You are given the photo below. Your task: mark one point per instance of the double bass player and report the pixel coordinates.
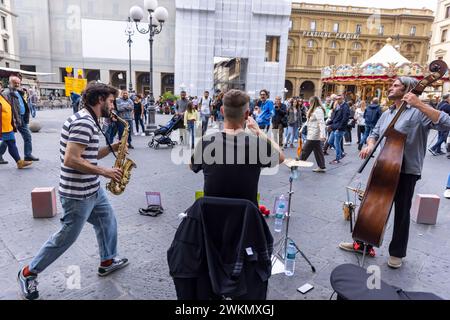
(415, 122)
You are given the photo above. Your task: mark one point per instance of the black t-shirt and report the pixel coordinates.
(232, 164)
(138, 108)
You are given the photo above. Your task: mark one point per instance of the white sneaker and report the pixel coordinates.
(143, 135)
(320, 170)
(347, 143)
(395, 262)
(447, 194)
(136, 134)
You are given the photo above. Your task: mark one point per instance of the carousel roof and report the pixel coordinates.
(387, 55)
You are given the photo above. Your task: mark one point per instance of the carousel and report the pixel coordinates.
(372, 78)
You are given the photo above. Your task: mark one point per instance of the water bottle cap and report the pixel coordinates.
(281, 206)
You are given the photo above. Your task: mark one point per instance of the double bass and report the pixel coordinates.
(378, 199)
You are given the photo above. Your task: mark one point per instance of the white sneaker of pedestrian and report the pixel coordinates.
(395, 262)
(447, 194)
(143, 135)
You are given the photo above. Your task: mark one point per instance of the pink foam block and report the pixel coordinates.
(44, 202)
(425, 208)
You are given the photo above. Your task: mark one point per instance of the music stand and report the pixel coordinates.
(282, 244)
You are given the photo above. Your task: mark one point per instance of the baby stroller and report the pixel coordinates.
(161, 137)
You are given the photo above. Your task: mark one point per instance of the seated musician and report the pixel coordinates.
(415, 122)
(232, 160)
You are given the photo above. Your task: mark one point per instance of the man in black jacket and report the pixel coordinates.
(371, 116)
(16, 98)
(442, 135)
(279, 121)
(339, 126)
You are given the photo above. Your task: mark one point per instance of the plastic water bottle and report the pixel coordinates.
(289, 263)
(279, 216)
(282, 200)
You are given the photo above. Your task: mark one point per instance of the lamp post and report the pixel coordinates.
(129, 31)
(156, 17)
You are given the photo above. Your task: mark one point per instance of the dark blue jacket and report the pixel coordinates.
(372, 114)
(445, 106)
(341, 117)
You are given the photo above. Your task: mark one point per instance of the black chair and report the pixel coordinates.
(222, 250)
(350, 283)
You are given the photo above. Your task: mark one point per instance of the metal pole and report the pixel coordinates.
(151, 125)
(130, 85)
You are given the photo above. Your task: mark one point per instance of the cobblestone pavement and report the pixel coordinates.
(317, 226)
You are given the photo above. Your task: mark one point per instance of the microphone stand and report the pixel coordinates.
(283, 243)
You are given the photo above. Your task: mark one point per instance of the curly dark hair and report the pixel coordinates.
(96, 92)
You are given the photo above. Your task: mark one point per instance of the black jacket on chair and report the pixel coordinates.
(222, 249)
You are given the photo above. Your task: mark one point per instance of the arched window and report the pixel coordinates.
(310, 43)
(333, 44)
(357, 46)
(409, 47)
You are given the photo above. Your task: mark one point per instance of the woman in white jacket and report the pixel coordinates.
(316, 134)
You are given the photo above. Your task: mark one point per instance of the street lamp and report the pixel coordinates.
(129, 31)
(156, 17)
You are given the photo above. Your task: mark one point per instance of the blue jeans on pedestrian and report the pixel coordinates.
(366, 135)
(121, 129)
(27, 142)
(291, 133)
(111, 132)
(338, 136)
(205, 121)
(191, 129)
(97, 211)
(448, 182)
(442, 137)
(12, 147)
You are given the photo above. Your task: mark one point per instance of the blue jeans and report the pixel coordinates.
(338, 136)
(366, 135)
(291, 134)
(27, 142)
(111, 132)
(97, 211)
(121, 129)
(12, 147)
(205, 121)
(448, 182)
(191, 129)
(442, 137)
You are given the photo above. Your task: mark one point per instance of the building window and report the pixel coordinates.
(7, 64)
(272, 49)
(413, 31)
(309, 60)
(409, 47)
(356, 46)
(313, 25)
(332, 60)
(29, 68)
(447, 12)
(381, 30)
(336, 27)
(358, 28)
(6, 45)
(333, 44)
(4, 25)
(354, 60)
(310, 44)
(444, 35)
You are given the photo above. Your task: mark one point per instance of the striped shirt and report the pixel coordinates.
(80, 129)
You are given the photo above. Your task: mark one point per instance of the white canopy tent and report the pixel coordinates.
(388, 54)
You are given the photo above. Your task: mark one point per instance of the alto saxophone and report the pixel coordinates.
(122, 162)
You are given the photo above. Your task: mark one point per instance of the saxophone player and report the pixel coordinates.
(82, 198)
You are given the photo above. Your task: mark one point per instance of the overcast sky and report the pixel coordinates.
(430, 4)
